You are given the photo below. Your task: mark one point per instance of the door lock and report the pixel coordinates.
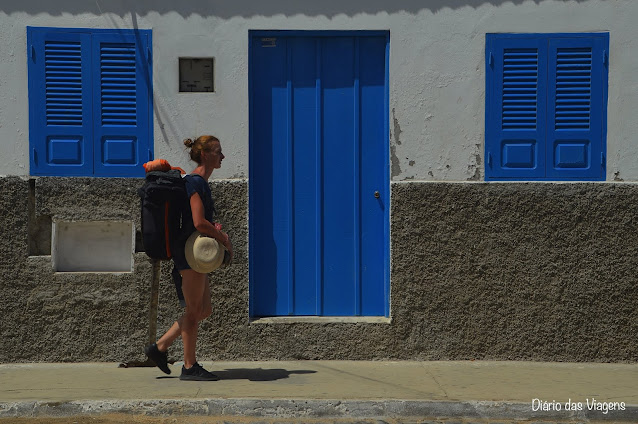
(376, 195)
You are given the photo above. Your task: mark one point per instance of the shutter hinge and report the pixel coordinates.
(35, 156)
(489, 159)
(32, 52)
(602, 159)
(148, 52)
(605, 58)
(491, 60)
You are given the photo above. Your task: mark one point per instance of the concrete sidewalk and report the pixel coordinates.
(329, 389)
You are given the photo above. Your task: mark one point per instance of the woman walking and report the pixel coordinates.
(206, 151)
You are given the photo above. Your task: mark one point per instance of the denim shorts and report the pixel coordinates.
(179, 258)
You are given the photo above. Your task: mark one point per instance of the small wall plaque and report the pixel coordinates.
(196, 75)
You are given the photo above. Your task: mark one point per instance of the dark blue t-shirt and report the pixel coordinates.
(197, 184)
(194, 184)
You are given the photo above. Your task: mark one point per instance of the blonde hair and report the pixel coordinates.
(201, 143)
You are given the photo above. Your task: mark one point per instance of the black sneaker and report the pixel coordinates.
(197, 373)
(159, 358)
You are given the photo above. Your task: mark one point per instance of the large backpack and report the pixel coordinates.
(164, 200)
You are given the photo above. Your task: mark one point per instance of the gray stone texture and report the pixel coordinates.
(515, 271)
(51, 317)
(505, 271)
(315, 410)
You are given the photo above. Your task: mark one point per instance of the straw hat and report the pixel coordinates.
(204, 254)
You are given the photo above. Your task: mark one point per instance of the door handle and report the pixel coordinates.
(376, 194)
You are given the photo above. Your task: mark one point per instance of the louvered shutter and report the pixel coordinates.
(575, 108)
(546, 106)
(121, 111)
(515, 108)
(59, 103)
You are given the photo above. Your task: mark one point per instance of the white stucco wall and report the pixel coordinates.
(437, 85)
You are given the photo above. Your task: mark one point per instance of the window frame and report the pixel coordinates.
(494, 172)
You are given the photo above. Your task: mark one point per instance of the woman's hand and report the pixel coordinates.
(209, 229)
(229, 247)
(225, 239)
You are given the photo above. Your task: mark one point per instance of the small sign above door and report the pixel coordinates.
(269, 42)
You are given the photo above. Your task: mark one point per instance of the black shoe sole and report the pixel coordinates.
(157, 359)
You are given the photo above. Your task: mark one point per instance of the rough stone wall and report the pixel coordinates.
(14, 250)
(516, 271)
(479, 271)
(512, 271)
(52, 317)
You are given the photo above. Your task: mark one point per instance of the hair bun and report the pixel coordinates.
(188, 142)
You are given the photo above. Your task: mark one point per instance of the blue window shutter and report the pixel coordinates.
(122, 103)
(577, 75)
(569, 122)
(60, 127)
(515, 108)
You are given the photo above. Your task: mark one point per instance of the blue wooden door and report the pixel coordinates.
(319, 183)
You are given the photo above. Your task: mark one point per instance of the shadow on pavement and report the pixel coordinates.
(258, 374)
(251, 374)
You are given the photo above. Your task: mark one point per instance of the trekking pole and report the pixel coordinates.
(152, 319)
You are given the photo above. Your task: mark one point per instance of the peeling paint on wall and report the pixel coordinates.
(474, 169)
(616, 170)
(395, 170)
(397, 128)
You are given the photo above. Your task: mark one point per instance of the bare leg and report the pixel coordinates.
(193, 285)
(170, 336)
(198, 306)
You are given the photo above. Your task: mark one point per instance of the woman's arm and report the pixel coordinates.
(204, 226)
